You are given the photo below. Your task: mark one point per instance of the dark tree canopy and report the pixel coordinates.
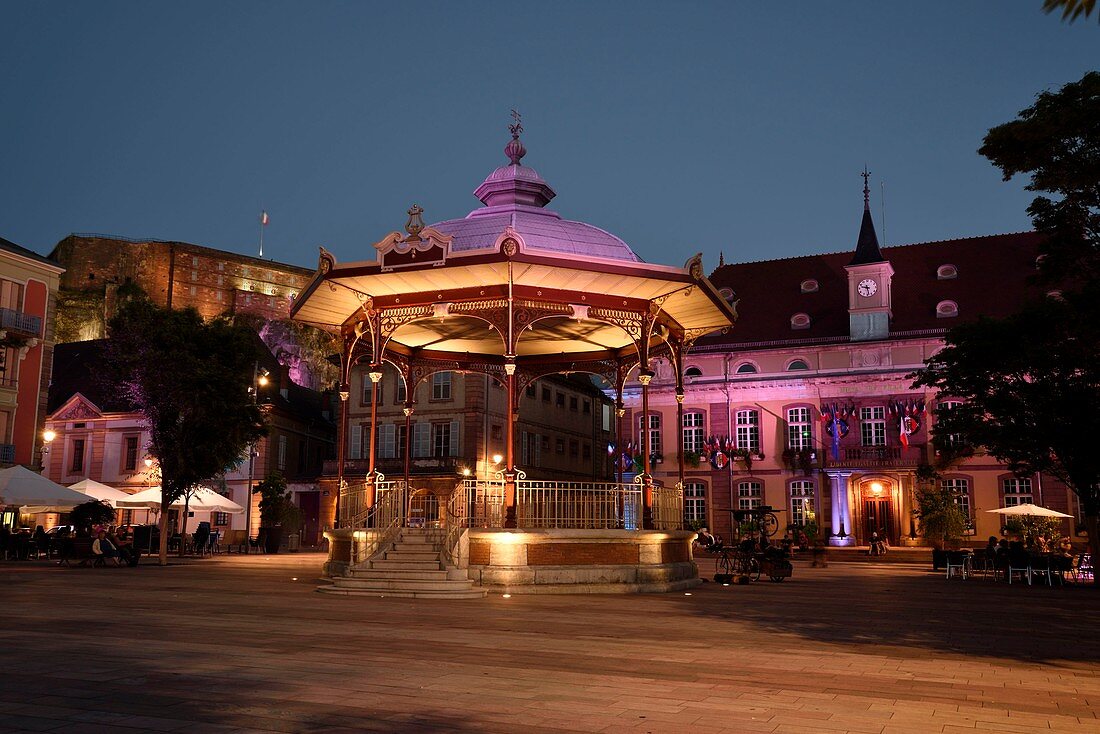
(1056, 143)
(191, 380)
(87, 514)
(1071, 9)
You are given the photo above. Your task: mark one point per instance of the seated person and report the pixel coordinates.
(708, 541)
(992, 546)
(104, 548)
(126, 552)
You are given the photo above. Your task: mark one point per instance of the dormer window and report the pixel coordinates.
(727, 294)
(1055, 295)
(800, 321)
(746, 368)
(947, 309)
(1039, 260)
(947, 272)
(809, 286)
(797, 365)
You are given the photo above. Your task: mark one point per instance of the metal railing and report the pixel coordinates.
(12, 320)
(382, 522)
(483, 503)
(7, 453)
(668, 507)
(578, 505)
(456, 522)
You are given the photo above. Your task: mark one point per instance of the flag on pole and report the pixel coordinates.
(264, 219)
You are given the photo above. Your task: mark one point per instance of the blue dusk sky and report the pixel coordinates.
(679, 126)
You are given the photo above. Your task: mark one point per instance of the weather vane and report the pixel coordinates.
(516, 127)
(866, 189)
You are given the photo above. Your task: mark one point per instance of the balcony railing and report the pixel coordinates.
(396, 467)
(20, 323)
(877, 457)
(7, 453)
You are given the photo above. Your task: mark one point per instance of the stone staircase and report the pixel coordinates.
(412, 567)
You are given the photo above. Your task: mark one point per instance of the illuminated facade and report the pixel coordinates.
(28, 295)
(841, 333)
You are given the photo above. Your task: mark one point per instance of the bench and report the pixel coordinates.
(80, 549)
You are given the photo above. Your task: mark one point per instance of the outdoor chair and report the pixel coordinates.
(958, 562)
(1019, 562)
(1040, 566)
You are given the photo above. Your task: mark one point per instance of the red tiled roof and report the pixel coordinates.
(994, 278)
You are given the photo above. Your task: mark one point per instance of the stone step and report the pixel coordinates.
(418, 539)
(417, 547)
(404, 594)
(381, 573)
(404, 555)
(394, 565)
(402, 584)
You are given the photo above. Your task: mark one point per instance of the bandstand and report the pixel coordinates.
(515, 292)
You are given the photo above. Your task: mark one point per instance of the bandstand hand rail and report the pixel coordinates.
(375, 528)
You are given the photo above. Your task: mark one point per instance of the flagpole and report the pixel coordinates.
(262, 234)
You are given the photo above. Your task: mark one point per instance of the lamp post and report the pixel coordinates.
(48, 436)
(260, 378)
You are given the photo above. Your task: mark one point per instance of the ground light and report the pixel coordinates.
(507, 596)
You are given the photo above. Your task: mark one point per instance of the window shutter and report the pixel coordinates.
(387, 441)
(538, 450)
(421, 439)
(355, 442)
(454, 438)
(524, 449)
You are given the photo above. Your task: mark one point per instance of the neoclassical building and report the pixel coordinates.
(825, 346)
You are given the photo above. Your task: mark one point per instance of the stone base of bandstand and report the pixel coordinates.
(553, 561)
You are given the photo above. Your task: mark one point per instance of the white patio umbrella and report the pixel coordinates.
(99, 491)
(199, 499)
(1029, 509)
(35, 493)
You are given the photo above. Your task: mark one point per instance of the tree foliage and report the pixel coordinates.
(942, 520)
(1056, 144)
(277, 506)
(190, 380)
(88, 514)
(1071, 9)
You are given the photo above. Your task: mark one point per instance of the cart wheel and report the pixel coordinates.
(754, 569)
(777, 579)
(769, 523)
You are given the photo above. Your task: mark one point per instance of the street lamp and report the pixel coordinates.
(48, 436)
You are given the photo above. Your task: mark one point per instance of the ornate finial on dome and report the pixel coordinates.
(515, 150)
(415, 223)
(866, 189)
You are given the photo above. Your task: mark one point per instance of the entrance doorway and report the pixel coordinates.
(878, 511)
(423, 509)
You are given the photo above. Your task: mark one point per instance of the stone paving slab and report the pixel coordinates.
(245, 644)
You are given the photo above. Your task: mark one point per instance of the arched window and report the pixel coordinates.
(800, 321)
(947, 309)
(797, 364)
(695, 503)
(746, 368)
(809, 286)
(947, 272)
(693, 372)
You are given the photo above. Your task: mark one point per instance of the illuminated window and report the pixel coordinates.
(1017, 491)
(693, 431)
(750, 495)
(960, 492)
(695, 502)
(802, 502)
(872, 426)
(798, 429)
(748, 430)
(654, 433)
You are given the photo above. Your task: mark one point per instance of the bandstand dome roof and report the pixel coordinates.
(573, 283)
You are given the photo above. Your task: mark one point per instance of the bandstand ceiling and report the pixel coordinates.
(337, 299)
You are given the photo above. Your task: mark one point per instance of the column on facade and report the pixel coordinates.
(840, 513)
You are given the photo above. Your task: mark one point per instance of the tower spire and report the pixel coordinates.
(867, 250)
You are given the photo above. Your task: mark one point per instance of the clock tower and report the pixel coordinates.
(869, 281)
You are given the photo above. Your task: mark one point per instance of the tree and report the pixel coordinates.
(190, 379)
(1056, 143)
(942, 520)
(1071, 9)
(1030, 391)
(86, 515)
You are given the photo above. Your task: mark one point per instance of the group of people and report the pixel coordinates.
(997, 548)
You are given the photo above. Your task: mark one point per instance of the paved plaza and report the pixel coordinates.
(246, 644)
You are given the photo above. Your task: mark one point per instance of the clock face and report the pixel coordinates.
(867, 287)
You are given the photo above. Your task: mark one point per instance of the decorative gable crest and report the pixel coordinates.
(78, 408)
(421, 246)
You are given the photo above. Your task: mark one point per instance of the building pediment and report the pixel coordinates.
(77, 408)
